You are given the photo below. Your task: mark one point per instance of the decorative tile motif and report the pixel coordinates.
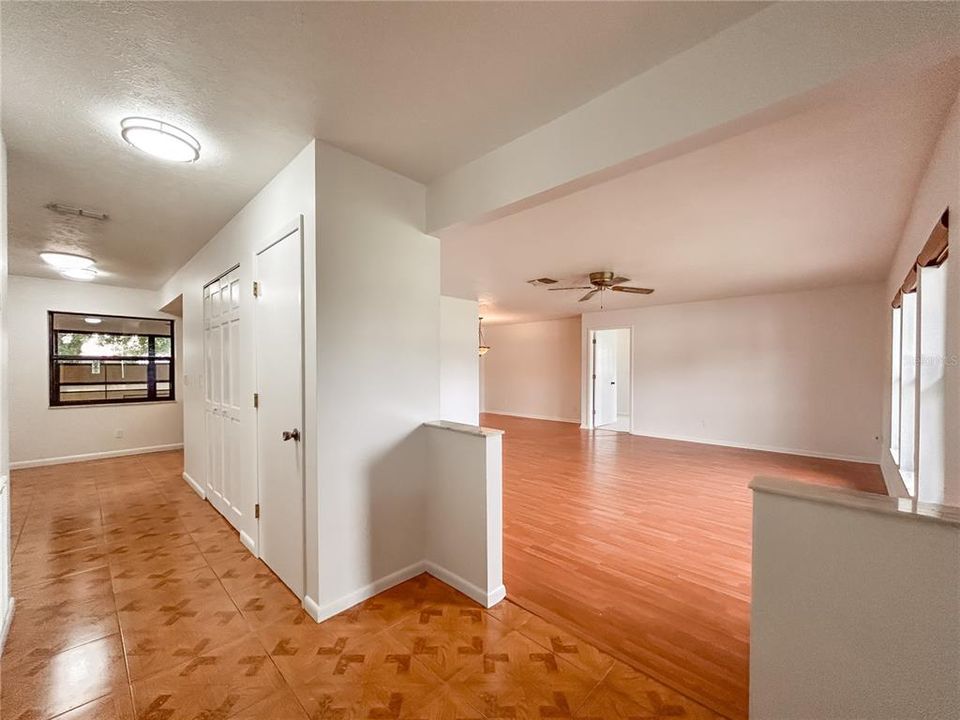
(217, 683)
(137, 601)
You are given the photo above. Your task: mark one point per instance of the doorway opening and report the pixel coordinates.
(611, 397)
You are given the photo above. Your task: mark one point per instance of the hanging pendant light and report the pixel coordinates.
(482, 349)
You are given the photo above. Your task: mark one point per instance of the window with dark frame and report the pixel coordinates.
(97, 359)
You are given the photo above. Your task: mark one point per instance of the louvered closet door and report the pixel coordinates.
(221, 303)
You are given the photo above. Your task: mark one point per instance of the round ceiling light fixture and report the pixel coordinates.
(92, 321)
(160, 139)
(79, 273)
(66, 261)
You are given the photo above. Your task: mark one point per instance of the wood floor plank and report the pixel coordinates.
(642, 546)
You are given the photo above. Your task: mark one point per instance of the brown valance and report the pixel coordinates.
(935, 250)
(933, 254)
(910, 281)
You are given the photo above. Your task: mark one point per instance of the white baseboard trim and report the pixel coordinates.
(7, 622)
(496, 596)
(197, 487)
(366, 592)
(323, 612)
(764, 448)
(552, 418)
(311, 608)
(86, 457)
(249, 543)
(487, 599)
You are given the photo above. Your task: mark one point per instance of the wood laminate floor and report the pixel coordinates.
(135, 599)
(642, 546)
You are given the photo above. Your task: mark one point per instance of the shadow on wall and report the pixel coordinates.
(397, 511)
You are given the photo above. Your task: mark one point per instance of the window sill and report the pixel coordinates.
(109, 404)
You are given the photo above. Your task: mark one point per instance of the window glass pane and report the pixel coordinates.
(80, 394)
(119, 371)
(79, 372)
(100, 344)
(908, 388)
(111, 325)
(895, 387)
(164, 346)
(931, 437)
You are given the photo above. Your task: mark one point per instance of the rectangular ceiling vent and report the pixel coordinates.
(78, 212)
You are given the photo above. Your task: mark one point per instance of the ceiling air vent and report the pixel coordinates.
(78, 212)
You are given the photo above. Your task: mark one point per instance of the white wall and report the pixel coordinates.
(459, 362)
(464, 503)
(6, 601)
(378, 300)
(795, 372)
(855, 611)
(939, 189)
(286, 197)
(76, 433)
(372, 364)
(533, 369)
(623, 371)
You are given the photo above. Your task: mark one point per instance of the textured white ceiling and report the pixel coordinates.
(818, 198)
(416, 87)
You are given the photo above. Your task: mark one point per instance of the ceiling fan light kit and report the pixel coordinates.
(599, 282)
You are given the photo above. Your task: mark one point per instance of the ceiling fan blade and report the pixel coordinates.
(584, 287)
(619, 280)
(588, 295)
(635, 290)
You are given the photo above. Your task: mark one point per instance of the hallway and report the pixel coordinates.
(136, 600)
(643, 545)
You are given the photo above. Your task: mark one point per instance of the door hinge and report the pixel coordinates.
(594, 341)
(594, 376)
(256, 511)
(256, 289)
(256, 400)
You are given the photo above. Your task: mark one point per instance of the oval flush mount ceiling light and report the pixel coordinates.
(79, 273)
(66, 261)
(160, 139)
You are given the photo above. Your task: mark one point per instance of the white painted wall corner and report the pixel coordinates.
(197, 487)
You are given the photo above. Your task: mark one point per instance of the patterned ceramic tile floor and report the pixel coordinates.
(135, 599)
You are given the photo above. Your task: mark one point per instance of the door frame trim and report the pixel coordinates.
(590, 381)
(294, 226)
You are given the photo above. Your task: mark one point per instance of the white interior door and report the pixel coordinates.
(221, 338)
(605, 377)
(279, 322)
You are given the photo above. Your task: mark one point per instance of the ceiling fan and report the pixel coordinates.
(599, 282)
